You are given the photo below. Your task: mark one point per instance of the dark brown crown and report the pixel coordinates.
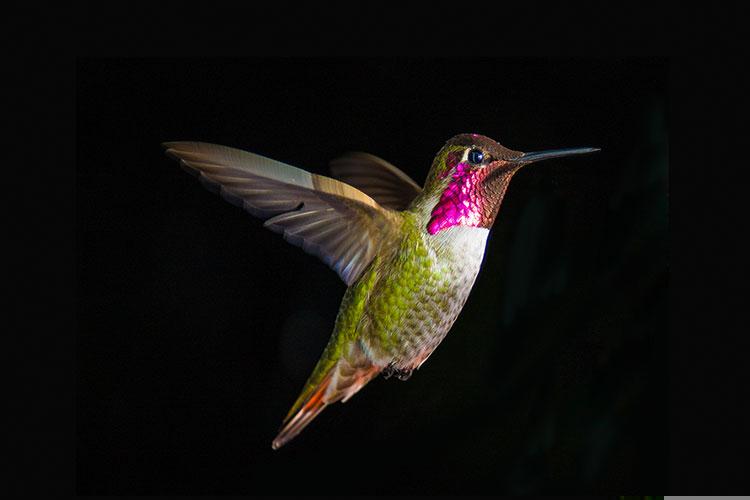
(495, 149)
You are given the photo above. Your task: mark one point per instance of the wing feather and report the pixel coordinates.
(385, 183)
(337, 222)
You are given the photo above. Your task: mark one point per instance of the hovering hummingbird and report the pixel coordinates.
(408, 255)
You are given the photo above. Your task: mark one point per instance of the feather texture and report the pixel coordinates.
(351, 372)
(330, 219)
(385, 183)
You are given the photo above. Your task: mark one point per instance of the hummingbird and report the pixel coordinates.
(409, 255)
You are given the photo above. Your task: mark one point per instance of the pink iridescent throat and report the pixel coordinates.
(461, 202)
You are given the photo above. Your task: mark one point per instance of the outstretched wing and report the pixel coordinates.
(330, 219)
(388, 185)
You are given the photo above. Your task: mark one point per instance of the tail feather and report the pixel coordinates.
(305, 415)
(341, 382)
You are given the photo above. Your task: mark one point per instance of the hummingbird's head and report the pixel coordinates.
(471, 172)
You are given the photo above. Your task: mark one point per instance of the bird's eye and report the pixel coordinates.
(475, 156)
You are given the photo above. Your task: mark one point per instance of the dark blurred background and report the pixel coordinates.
(197, 327)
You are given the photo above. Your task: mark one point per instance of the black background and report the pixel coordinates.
(197, 327)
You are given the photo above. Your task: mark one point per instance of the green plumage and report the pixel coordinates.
(403, 305)
(409, 255)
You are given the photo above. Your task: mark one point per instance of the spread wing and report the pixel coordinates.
(327, 218)
(388, 185)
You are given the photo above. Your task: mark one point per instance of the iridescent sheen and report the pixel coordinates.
(409, 256)
(460, 203)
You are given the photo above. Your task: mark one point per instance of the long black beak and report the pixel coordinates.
(553, 153)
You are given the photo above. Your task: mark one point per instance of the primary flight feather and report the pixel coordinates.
(408, 255)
